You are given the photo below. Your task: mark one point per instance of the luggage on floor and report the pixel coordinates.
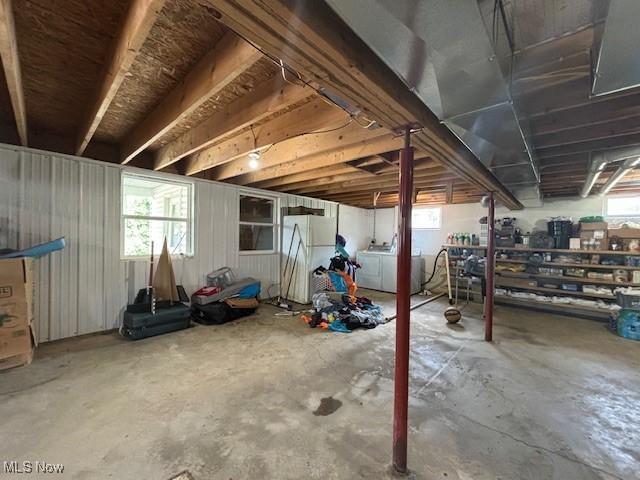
(217, 313)
(146, 324)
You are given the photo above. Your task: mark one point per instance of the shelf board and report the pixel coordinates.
(567, 278)
(559, 291)
(572, 265)
(551, 250)
(548, 306)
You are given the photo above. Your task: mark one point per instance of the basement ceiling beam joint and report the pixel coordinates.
(134, 29)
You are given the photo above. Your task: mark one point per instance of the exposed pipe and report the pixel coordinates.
(403, 309)
(628, 165)
(489, 270)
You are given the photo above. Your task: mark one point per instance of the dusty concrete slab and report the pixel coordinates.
(266, 397)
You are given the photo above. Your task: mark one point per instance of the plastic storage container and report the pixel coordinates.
(223, 278)
(628, 300)
(560, 230)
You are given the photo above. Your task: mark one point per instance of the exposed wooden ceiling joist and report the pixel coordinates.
(225, 62)
(378, 141)
(273, 137)
(266, 100)
(137, 24)
(12, 70)
(312, 39)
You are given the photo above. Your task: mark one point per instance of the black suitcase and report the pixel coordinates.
(146, 324)
(217, 313)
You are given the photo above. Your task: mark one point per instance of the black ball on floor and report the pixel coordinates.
(452, 315)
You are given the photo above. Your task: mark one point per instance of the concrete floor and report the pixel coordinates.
(551, 398)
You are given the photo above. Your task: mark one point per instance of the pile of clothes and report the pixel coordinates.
(343, 313)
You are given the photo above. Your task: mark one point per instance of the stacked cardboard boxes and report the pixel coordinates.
(594, 232)
(17, 339)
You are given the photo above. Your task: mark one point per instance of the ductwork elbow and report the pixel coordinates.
(598, 162)
(628, 165)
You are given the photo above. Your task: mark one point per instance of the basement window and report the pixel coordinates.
(620, 208)
(154, 209)
(426, 218)
(257, 225)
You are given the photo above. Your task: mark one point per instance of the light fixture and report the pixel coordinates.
(254, 160)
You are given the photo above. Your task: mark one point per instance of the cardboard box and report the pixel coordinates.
(625, 232)
(505, 281)
(593, 226)
(17, 338)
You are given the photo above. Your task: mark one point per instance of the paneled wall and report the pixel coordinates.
(85, 287)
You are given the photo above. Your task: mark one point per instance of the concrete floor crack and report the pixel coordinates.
(539, 447)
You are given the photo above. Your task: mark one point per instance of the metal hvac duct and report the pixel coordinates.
(617, 67)
(599, 160)
(457, 60)
(628, 165)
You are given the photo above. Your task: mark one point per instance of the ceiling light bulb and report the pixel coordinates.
(254, 160)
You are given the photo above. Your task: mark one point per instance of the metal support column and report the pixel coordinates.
(403, 305)
(490, 270)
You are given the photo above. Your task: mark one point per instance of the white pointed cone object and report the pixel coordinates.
(164, 280)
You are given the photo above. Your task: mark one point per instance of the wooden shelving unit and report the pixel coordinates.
(504, 279)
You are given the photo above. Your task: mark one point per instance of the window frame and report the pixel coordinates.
(189, 221)
(274, 225)
(427, 207)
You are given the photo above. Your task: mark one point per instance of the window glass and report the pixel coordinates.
(257, 226)
(623, 207)
(155, 209)
(425, 217)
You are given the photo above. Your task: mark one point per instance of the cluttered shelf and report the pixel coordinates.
(580, 269)
(551, 250)
(571, 265)
(567, 278)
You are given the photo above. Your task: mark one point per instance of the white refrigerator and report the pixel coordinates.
(308, 241)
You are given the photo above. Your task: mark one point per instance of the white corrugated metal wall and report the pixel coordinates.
(84, 288)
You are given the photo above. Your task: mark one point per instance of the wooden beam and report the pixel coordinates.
(269, 98)
(279, 166)
(449, 192)
(599, 131)
(626, 140)
(312, 39)
(300, 178)
(134, 30)
(221, 66)
(11, 65)
(316, 115)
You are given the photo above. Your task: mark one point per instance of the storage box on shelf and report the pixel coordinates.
(594, 234)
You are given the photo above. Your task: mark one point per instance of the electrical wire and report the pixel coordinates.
(262, 152)
(283, 66)
(435, 266)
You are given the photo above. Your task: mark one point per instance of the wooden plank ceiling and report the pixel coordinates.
(171, 85)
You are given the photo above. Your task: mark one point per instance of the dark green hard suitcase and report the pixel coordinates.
(146, 324)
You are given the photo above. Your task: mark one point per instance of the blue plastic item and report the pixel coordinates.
(338, 326)
(629, 324)
(250, 291)
(38, 250)
(337, 281)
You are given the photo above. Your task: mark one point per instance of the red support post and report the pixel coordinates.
(489, 270)
(403, 305)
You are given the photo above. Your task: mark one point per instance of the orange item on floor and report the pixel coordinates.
(351, 285)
